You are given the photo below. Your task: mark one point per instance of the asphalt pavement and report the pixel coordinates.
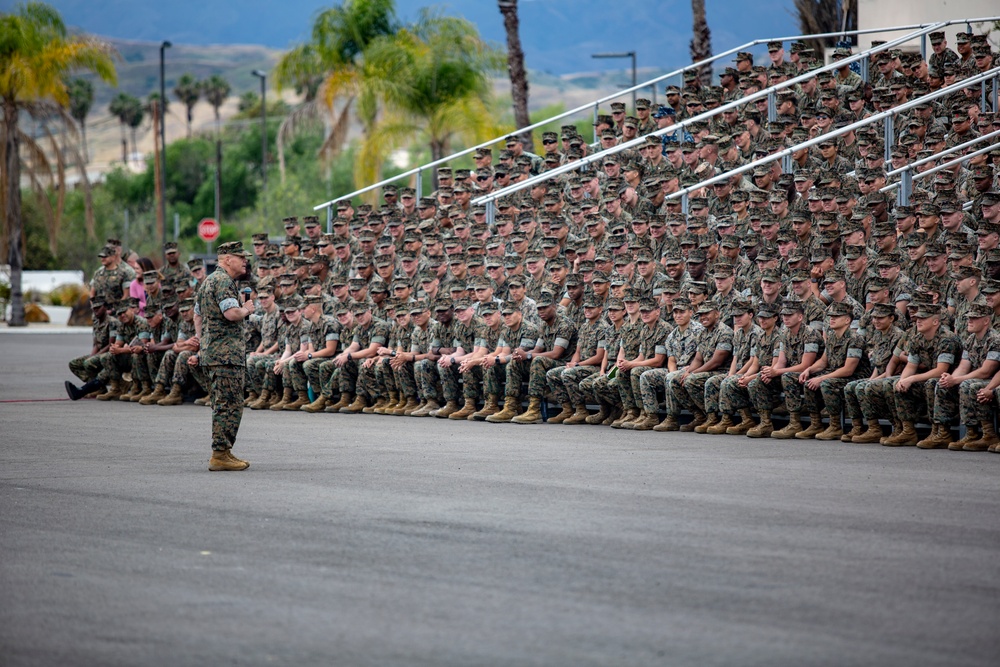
(369, 540)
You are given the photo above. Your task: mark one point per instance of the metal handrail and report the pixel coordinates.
(874, 118)
(762, 94)
(418, 170)
(905, 184)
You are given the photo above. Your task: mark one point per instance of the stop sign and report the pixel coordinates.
(208, 230)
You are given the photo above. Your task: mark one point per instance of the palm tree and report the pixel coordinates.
(121, 108)
(333, 55)
(36, 54)
(701, 41)
(515, 68)
(81, 98)
(216, 90)
(188, 90)
(434, 78)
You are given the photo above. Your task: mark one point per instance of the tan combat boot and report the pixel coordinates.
(262, 402)
(698, 420)
(252, 398)
(857, 428)
(425, 408)
(907, 437)
(152, 398)
(533, 415)
(286, 398)
(971, 435)
(629, 416)
(379, 404)
(669, 423)
(387, 403)
(794, 426)
(491, 407)
(721, 426)
(579, 416)
(746, 423)
(600, 415)
(639, 418)
(408, 406)
(815, 427)
(647, 423)
(614, 415)
(989, 442)
(301, 399)
(468, 409)
(204, 401)
(566, 412)
(112, 393)
(359, 404)
(711, 420)
(345, 400)
(223, 461)
(175, 397)
(765, 429)
(832, 432)
(134, 389)
(894, 428)
(446, 411)
(872, 435)
(940, 436)
(317, 405)
(511, 405)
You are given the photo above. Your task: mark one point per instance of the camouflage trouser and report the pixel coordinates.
(86, 367)
(384, 376)
(537, 375)
(622, 383)
(405, 381)
(917, 404)
(312, 371)
(973, 412)
(596, 387)
(946, 402)
(367, 384)
(852, 401)
(875, 397)
(514, 375)
(227, 404)
(183, 370)
(115, 365)
(571, 379)
(691, 394)
(346, 377)
(152, 363)
(713, 387)
(830, 395)
(449, 378)
(327, 378)
(294, 375)
(271, 381)
(603, 389)
(256, 367)
(732, 397)
(635, 378)
(165, 374)
(764, 396)
(794, 392)
(472, 382)
(651, 383)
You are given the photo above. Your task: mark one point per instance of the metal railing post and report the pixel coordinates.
(329, 220)
(596, 111)
(491, 213)
(786, 164)
(684, 204)
(905, 187)
(420, 183)
(982, 96)
(996, 80)
(923, 47)
(772, 107)
(864, 70)
(889, 137)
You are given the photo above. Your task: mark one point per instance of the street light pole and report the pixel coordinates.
(263, 135)
(163, 143)
(625, 54)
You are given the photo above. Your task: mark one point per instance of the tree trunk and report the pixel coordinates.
(515, 68)
(83, 134)
(13, 215)
(701, 41)
(218, 168)
(124, 145)
(439, 150)
(158, 190)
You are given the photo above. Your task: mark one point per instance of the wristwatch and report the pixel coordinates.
(309, 356)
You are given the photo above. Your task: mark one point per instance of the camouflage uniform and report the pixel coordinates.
(733, 397)
(462, 336)
(474, 381)
(115, 365)
(743, 341)
(681, 345)
(364, 380)
(652, 342)
(112, 283)
(691, 394)
(88, 366)
(562, 333)
(630, 341)
(514, 371)
(977, 351)
(831, 391)
(598, 385)
(918, 402)
(795, 348)
(564, 383)
(880, 347)
(307, 373)
(223, 352)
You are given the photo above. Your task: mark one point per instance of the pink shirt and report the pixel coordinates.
(137, 290)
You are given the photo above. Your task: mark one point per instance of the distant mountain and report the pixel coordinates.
(559, 36)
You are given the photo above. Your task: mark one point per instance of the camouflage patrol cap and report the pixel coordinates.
(839, 309)
(106, 251)
(150, 277)
(232, 248)
(791, 306)
(186, 304)
(292, 303)
(928, 310)
(681, 303)
(170, 246)
(963, 272)
(884, 310)
(978, 310)
(707, 307)
(877, 284)
(935, 250)
(312, 299)
(509, 308)
(378, 286)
